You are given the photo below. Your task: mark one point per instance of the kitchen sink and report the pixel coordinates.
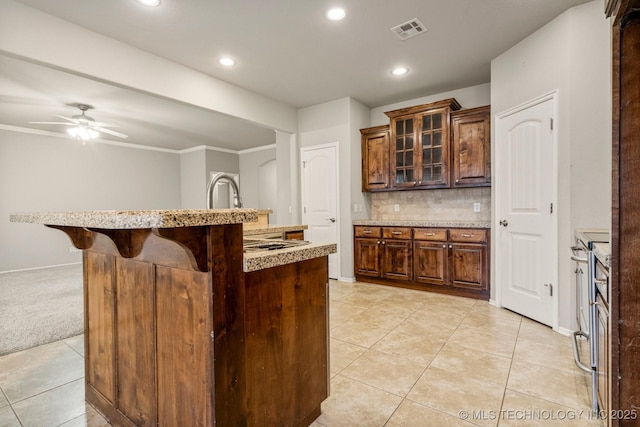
(260, 245)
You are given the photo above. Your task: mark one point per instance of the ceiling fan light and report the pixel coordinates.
(83, 133)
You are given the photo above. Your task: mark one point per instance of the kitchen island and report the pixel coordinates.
(181, 328)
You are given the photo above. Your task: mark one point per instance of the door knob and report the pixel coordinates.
(332, 219)
(504, 223)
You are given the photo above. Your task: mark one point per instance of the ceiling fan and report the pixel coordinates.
(83, 127)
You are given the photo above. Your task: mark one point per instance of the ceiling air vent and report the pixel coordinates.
(409, 29)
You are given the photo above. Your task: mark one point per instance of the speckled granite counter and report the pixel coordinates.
(274, 229)
(424, 223)
(602, 251)
(161, 219)
(267, 259)
(127, 220)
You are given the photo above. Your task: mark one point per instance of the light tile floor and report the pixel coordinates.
(398, 358)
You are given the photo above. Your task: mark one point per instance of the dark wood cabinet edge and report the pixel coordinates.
(374, 129)
(105, 408)
(625, 302)
(469, 111)
(441, 289)
(450, 102)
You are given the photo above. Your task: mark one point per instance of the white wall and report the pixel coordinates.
(287, 179)
(571, 55)
(254, 193)
(44, 173)
(193, 179)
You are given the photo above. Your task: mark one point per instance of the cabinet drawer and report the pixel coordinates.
(436, 234)
(471, 235)
(363, 231)
(396, 233)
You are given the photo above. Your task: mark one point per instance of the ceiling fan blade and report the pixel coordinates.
(54, 123)
(110, 132)
(68, 118)
(105, 125)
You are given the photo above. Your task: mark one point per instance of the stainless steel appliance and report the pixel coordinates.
(586, 307)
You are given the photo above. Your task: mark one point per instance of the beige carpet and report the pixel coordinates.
(40, 306)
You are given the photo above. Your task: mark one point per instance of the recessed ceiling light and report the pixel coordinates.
(226, 61)
(152, 3)
(399, 71)
(336, 14)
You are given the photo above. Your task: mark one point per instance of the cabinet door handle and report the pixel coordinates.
(430, 234)
(467, 235)
(367, 231)
(396, 232)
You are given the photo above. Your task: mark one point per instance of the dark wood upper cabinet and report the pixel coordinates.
(419, 139)
(471, 147)
(434, 145)
(375, 158)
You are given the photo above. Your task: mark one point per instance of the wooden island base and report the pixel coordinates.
(176, 334)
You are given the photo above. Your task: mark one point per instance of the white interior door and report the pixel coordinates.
(319, 198)
(525, 224)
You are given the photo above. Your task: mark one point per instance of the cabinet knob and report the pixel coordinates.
(383, 242)
(450, 246)
(444, 246)
(457, 181)
(378, 242)
(419, 182)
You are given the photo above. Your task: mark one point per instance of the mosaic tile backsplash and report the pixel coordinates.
(447, 204)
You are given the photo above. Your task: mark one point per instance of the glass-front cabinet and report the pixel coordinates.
(404, 152)
(420, 145)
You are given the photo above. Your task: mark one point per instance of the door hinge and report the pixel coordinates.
(304, 209)
(551, 208)
(551, 123)
(304, 164)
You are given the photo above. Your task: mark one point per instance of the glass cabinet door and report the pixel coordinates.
(433, 149)
(404, 152)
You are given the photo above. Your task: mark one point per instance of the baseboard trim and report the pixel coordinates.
(564, 331)
(346, 279)
(39, 268)
(494, 303)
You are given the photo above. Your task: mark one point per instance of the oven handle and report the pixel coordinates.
(576, 355)
(579, 259)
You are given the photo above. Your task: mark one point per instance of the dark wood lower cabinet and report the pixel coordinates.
(170, 344)
(430, 262)
(468, 266)
(367, 252)
(453, 261)
(396, 259)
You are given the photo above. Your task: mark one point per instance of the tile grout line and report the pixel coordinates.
(506, 384)
(15, 414)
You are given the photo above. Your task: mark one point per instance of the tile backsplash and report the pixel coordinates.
(447, 204)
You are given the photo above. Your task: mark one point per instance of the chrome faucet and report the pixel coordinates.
(237, 202)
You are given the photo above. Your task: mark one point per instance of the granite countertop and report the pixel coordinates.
(254, 261)
(424, 223)
(166, 218)
(602, 251)
(274, 229)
